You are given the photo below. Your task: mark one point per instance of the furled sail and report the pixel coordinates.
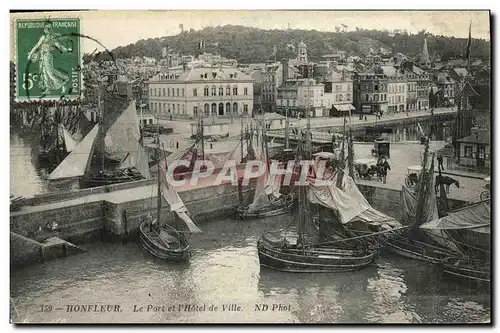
(69, 142)
(76, 163)
(117, 144)
(175, 202)
(260, 197)
(349, 203)
(138, 159)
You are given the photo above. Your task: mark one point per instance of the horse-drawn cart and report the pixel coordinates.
(485, 195)
(365, 168)
(414, 172)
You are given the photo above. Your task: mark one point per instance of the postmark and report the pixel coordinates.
(48, 59)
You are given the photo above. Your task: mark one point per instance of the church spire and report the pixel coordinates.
(425, 60)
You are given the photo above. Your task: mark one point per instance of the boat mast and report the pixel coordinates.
(241, 139)
(422, 191)
(100, 106)
(158, 178)
(202, 139)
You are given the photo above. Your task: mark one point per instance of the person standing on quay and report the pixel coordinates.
(385, 167)
(177, 144)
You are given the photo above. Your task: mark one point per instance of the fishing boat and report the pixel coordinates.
(107, 156)
(468, 228)
(268, 199)
(163, 240)
(324, 245)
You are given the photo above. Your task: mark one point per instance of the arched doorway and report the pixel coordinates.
(221, 109)
(214, 108)
(235, 108)
(206, 109)
(228, 108)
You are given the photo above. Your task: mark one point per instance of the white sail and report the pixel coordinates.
(175, 202)
(69, 142)
(117, 143)
(75, 164)
(138, 159)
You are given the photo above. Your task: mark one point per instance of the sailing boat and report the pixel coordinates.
(166, 241)
(305, 250)
(267, 200)
(120, 142)
(419, 208)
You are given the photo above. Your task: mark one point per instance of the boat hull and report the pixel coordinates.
(151, 245)
(104, 181)
(270, 210)
(417, 250)
(313, 260)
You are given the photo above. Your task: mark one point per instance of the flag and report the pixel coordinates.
(469, 44)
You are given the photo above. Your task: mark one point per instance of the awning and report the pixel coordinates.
(344, 107)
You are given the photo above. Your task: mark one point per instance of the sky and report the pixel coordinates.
(120, 28)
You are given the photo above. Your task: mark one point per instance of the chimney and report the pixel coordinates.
(284, 69)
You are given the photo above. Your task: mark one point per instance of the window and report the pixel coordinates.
(376, 87)
(221, 91)
(177, 92)
(214, 108)
(195, 92)
(183, 109)
(178, 108)
(375, 98)
(228, 90)
(366, 97)
(195, 110)
(228, 108)
(168, 92)
(287, 102)
(154, 92)
(245, 91)
(151, 91)
(214, 91)
(159, 107)
(348, 97)
(151, 106)
(235, 90)
(235, 108)
(182, 92)
(168, 107)
(205, 91)
(293, 102)
(468, 151)
(163, 91)
(206, 109)
(173, 108)
(245, 108)
(165, 107)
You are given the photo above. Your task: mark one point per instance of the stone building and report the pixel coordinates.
(396, 89)
(273, 76)
(209, 91)
(370, 91)
(338, 93)
(300, 97)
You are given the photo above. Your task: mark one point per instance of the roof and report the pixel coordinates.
(461, 72)
(468, 89)
(443, 78)
(480, 138)
(389, 70)
(212, 74)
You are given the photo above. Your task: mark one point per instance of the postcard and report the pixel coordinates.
(286, 167)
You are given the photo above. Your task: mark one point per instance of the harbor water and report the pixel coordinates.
(225, 272)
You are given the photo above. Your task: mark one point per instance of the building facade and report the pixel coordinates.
(300, 97)
(207, 91)
(338, 93)
(396, 89)
(446, 89)
(273, 76)
(370, 92)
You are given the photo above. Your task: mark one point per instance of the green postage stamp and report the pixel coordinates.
(48, 60)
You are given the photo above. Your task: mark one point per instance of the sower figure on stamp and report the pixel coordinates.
(50, 78)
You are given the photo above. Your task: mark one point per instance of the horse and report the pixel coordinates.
(446, 181)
